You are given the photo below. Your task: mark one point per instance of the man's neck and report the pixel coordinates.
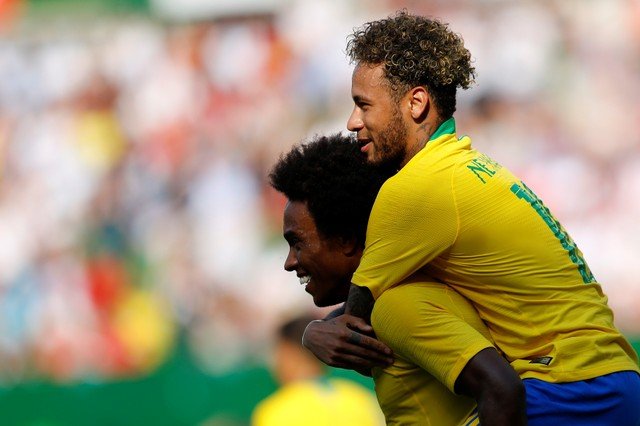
(421, 136)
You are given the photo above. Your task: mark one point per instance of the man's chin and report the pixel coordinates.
(372, 157)
(319, 303)
(323, 302)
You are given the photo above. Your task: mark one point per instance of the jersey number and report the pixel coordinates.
(524, 193)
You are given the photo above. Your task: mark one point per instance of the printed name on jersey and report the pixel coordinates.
(483, 167)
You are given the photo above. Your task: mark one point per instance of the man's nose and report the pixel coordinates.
(290, 262)
(355, 121)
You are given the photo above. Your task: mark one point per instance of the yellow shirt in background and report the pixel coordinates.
(460, 217)
(433, 332)
(326, 402)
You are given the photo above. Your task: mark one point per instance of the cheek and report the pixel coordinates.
(335, 274)
(380, 123)
(313, 260)
(369, 120)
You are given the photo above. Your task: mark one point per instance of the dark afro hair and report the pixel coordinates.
(333, 177)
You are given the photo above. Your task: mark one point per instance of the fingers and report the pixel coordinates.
(359, 360)
(355, 338)
(368, 343)
(340, 342)
(369, 351)
(350, 329)
(356, 323)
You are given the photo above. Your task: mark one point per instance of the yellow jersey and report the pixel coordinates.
(323, 402)
(433, 332)
(460, 217)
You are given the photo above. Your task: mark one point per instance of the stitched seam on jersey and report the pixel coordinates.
(455, 203)
(413, 397)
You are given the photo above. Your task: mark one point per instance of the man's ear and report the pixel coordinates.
(419, 102)
(350, 246)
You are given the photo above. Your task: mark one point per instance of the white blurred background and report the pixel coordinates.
(135, 139)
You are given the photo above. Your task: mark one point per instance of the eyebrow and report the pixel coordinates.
(289, 235)
(358, 98)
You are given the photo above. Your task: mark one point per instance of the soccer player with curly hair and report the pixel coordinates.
(460, 217)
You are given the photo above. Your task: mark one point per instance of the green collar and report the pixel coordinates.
(446, 128)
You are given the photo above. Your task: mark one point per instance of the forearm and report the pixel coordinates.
(496, 387)
(502, 408)
(360, 302)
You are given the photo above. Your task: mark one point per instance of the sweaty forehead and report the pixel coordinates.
(297, 220)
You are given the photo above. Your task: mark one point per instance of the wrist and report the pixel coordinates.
(304, 334)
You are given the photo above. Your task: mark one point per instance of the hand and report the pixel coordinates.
(343, 342)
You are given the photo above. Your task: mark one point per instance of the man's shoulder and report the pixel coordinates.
(420, 177)
(438, 159)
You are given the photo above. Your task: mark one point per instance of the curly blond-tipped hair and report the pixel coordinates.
(415, 51)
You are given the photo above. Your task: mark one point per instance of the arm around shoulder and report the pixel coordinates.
(346, 341)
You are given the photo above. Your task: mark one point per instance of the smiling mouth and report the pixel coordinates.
(305, 279)
(364, 144)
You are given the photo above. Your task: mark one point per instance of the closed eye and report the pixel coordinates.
(292, 239)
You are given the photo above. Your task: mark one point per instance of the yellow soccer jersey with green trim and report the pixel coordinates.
(433, 332)
(463, 219)
(335, 402)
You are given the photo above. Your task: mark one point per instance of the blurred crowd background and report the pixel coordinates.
(136, 138)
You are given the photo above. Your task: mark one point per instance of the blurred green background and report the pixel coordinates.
(179, 393)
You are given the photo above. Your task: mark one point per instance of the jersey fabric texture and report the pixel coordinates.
(433, 332)
(460, 217)
(335, 402)
(612, 399)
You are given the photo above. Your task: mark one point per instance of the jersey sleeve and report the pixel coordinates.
(412, 222)
(431, 326)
